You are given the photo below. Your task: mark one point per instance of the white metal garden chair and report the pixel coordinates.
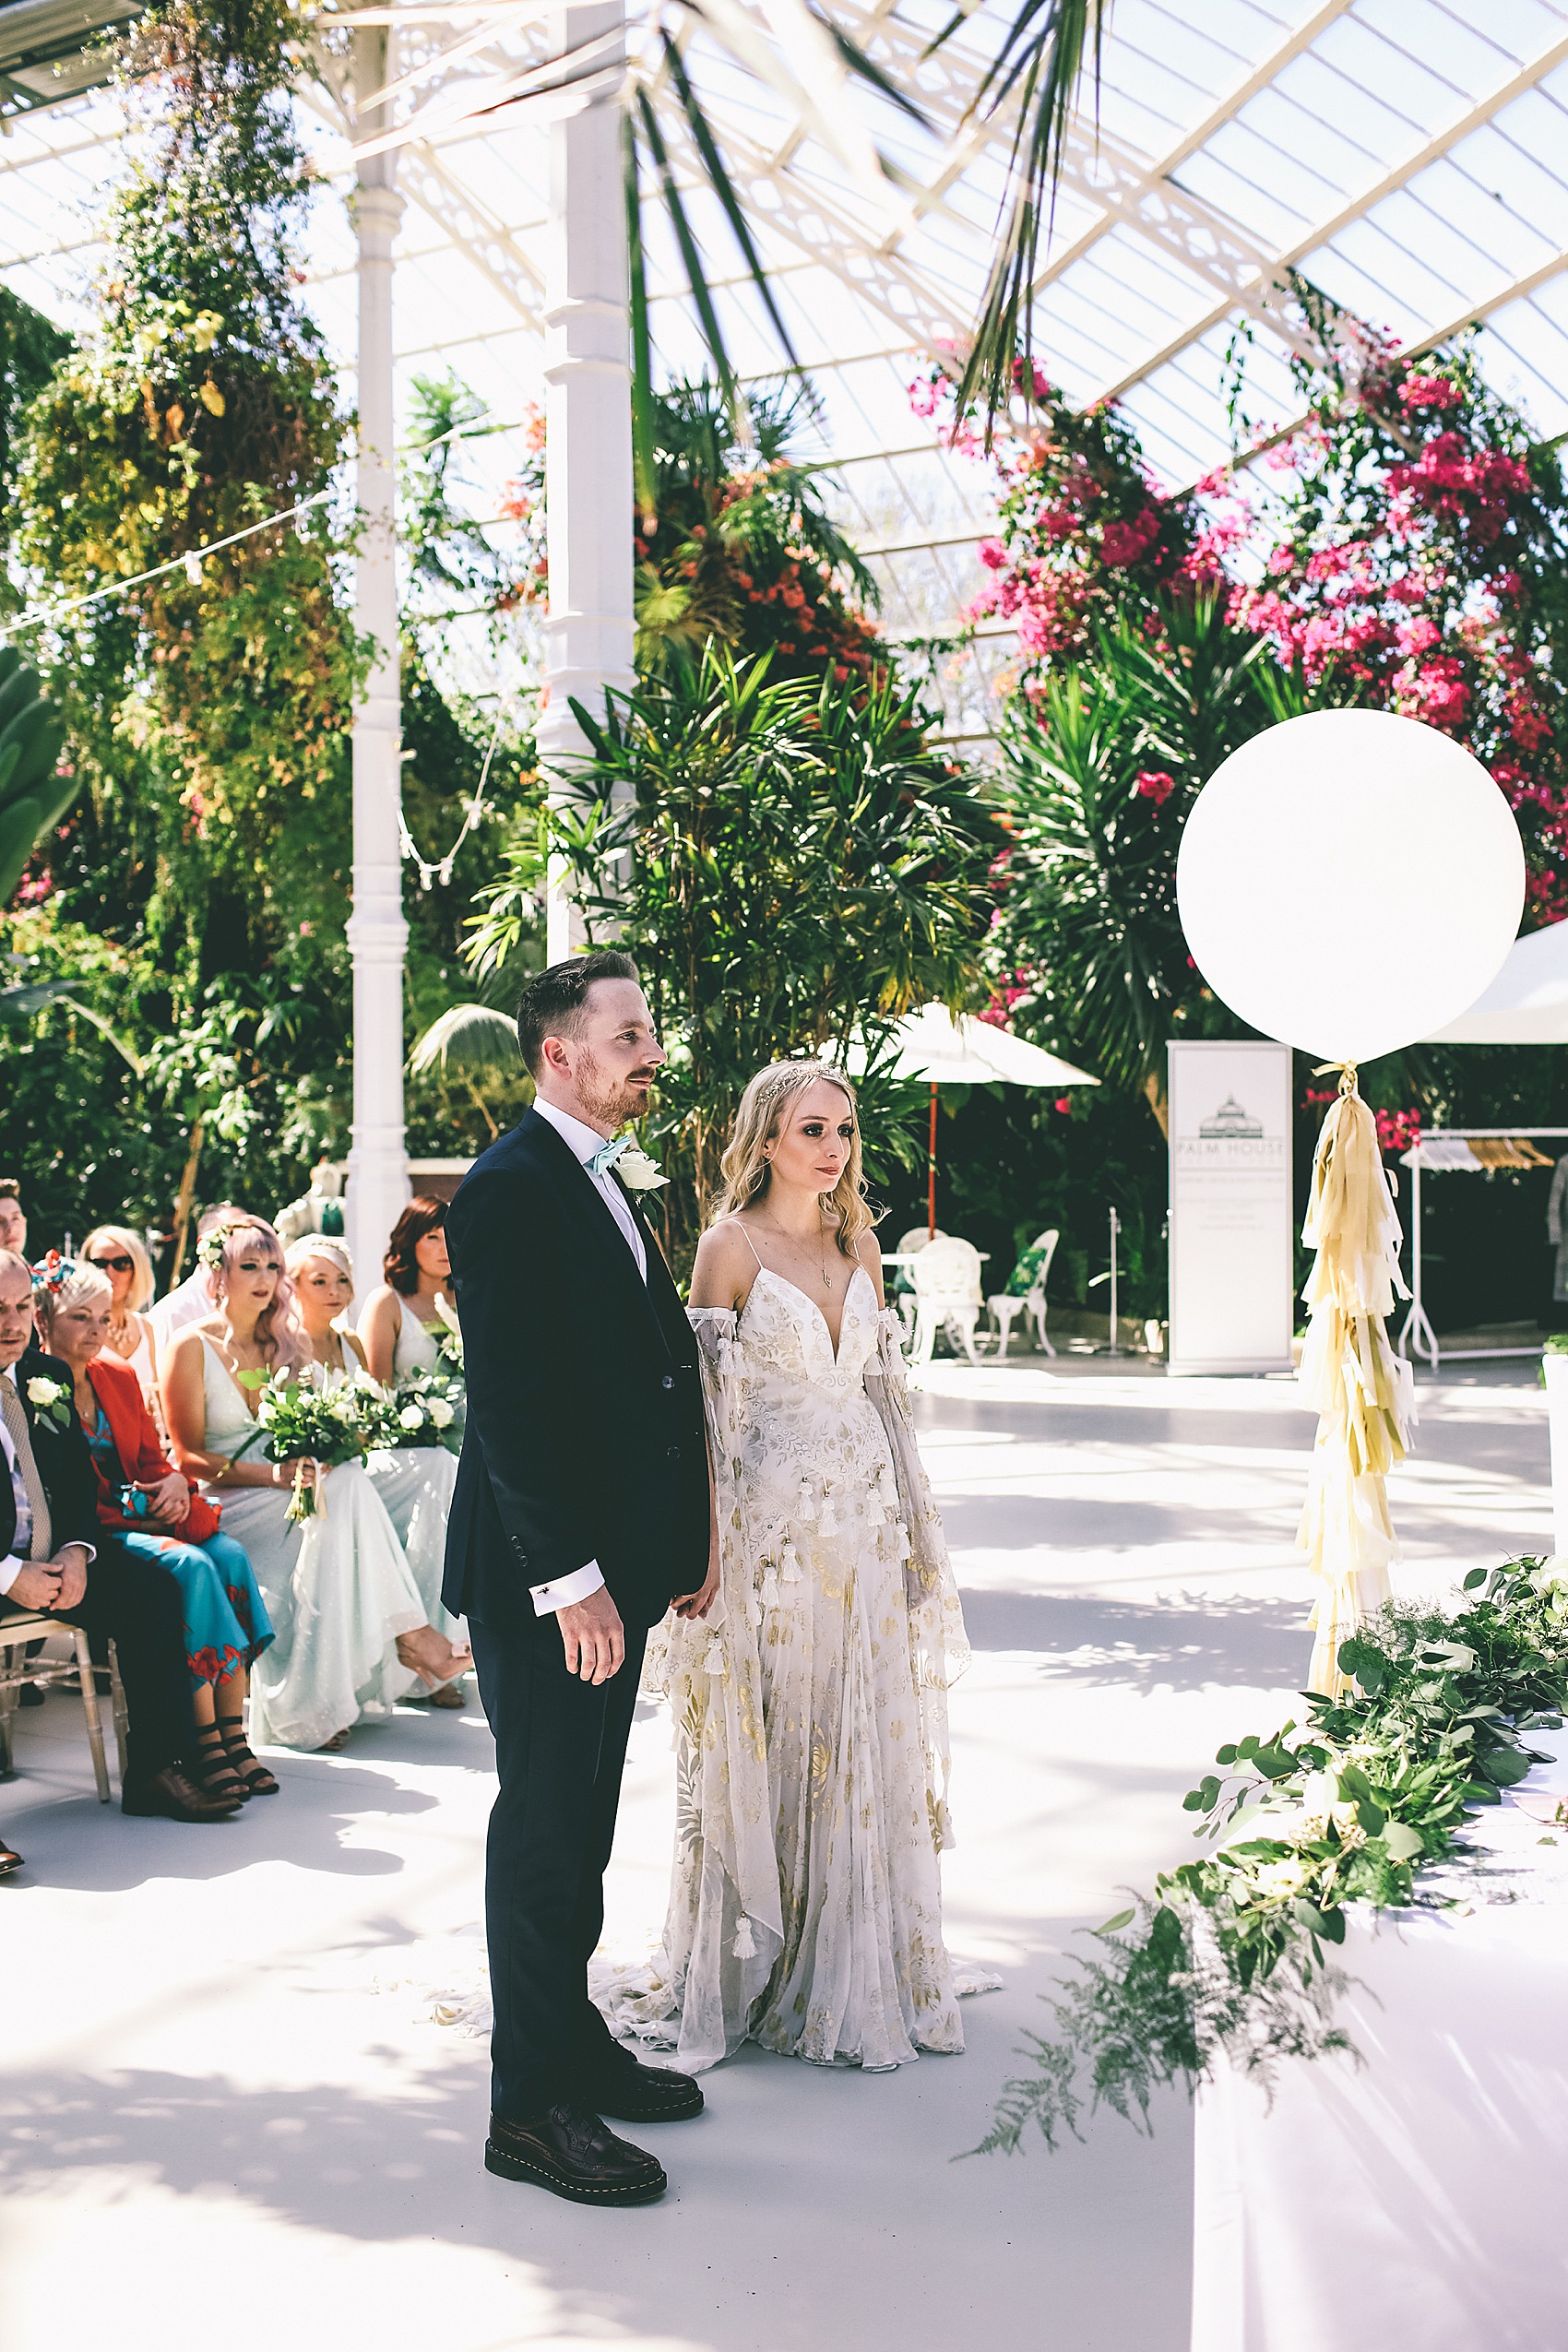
(906, 1244)
(947, 1276)
(1006, 1304)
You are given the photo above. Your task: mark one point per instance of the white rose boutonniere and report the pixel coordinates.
(639, 1173)
(50, 1398)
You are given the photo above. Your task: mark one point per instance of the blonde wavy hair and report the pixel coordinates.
(758, 1119)
(121, 1238)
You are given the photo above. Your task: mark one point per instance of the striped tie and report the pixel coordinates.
(41, 1546)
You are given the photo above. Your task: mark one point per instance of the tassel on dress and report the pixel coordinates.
(744, 1946)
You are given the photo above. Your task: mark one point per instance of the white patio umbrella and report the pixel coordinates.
(1527, 1002)
(956, 1050)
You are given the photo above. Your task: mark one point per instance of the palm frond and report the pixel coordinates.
(723, 187)
(467, 1040)
(691, 255)
(643, 464)
(1038, 69)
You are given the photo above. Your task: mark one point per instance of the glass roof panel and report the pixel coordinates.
(1411, 155)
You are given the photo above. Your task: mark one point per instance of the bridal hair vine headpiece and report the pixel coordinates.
(210, 1248)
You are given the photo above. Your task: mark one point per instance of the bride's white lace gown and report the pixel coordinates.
(811, 1714)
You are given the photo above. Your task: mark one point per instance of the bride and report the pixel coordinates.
(806, 1910)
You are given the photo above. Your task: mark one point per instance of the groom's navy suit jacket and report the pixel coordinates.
(584, 1438)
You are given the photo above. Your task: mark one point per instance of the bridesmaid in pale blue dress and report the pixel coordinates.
(399, 1332)
(353, 1636)
(414, 1482)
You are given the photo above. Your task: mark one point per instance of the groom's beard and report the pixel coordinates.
(609, 1102)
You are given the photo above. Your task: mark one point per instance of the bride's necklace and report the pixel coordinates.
(802, 1251)
(120, 1335)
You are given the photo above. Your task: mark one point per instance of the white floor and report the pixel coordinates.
(216, 2136)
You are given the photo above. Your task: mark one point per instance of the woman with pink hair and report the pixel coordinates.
(351, 1631)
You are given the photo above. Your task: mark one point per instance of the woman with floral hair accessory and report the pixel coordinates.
(414, 1482)
(159, 1517)
(353, 1634)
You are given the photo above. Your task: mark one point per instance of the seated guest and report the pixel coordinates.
(122, 1256)
(192, 1301)
(13, 1224)
(414, 1482)
(226, 1621)
(56, 1557)
(322, 1272)
(353, 1634)
(400, 1326)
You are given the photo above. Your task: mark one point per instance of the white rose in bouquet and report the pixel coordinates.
(410, 1416)
(440, 1413)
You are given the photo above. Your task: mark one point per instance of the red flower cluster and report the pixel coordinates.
(1154, 784)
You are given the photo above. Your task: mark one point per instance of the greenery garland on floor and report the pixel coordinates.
(1352, 1808)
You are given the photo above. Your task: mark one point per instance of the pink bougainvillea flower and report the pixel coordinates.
(1430, 392)
(1415, 635)
(1154, 784)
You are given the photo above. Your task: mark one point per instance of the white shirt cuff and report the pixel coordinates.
(547, 1599)
(10, 1569)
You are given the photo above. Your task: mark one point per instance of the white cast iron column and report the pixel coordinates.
(589, 417)
(378, 1167)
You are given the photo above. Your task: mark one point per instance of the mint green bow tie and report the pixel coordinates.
(604, 1158)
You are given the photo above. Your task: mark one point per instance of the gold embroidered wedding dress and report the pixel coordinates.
(811, 1711)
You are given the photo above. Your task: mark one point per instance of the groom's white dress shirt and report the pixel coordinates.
(583, 1142)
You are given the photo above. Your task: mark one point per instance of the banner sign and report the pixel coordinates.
(1232, 1215)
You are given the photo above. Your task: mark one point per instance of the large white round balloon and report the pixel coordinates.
(1349, 882)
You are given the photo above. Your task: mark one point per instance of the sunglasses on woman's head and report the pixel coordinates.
(113, 1265)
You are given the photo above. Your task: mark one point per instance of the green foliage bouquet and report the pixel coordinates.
(300, 1419)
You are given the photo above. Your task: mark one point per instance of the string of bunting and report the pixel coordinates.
(190, 562)
(435, 869)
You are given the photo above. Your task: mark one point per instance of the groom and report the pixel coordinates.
(581, 1511)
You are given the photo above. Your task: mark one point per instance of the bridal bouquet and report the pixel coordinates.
(426, 1409)
(302, 1419)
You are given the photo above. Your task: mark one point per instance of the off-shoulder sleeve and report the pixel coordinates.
(939, 1647)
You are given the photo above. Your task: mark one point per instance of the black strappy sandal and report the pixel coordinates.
(212, 1769)
(252, 1774)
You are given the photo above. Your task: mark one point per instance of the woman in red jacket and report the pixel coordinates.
(158, 1515)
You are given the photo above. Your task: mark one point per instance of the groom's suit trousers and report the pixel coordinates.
(560, 1751)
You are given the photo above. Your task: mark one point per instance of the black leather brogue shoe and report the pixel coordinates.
(573, 2155)
(633, 2092)
(172, 1795)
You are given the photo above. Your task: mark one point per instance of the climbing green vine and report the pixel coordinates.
(1228, 1956)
